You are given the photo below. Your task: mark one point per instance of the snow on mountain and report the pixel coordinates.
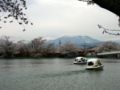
(76, 39)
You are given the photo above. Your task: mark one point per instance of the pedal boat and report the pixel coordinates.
(80, 60)
(94, 64)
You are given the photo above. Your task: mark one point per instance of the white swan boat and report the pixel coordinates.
(80, 60)
(94, 64)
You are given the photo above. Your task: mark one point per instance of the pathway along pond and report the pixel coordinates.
(57, 74)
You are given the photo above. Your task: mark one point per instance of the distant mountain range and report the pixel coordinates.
(77, 40)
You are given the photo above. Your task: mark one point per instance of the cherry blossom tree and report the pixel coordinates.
(49, 48)
(38, 46)
(109, 46)
(13, 9)
(24, 47)
(8, 46)
(68, 48)
(112, 6)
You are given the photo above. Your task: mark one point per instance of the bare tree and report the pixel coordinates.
(108, 46)
(68, 48)
(14, 9)
(38, 45)
(8, 46)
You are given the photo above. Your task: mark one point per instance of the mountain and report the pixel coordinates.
(77, 40)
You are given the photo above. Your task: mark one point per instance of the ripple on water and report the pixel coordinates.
(57, 74)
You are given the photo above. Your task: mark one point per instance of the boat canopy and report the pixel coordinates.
(92, 62)
(79, 59)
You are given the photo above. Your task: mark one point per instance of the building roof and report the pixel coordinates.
(95, 48)
(108, 53)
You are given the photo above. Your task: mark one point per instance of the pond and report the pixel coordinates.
(57, 74)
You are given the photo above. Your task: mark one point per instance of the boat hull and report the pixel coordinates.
(94, 68)
(79, 62)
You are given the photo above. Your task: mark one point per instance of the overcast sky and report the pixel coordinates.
(56, 18)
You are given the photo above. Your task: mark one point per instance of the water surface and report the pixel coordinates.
(57, 74)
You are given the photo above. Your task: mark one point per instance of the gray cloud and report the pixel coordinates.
(54, 18)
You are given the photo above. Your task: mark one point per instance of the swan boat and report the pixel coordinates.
(80, 60)
(94, 64)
